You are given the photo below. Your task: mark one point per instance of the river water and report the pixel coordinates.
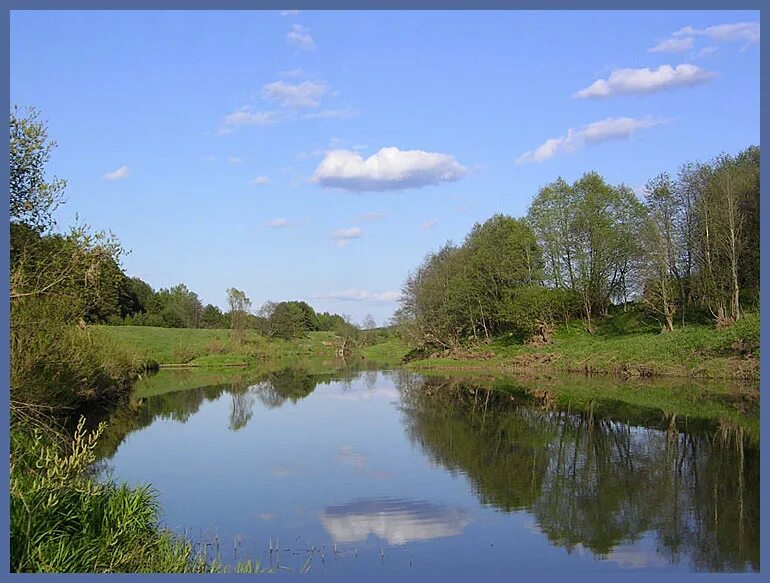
(360, 472)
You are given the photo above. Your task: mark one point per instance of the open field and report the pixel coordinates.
(204, 347)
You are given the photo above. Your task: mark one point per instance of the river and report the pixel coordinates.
(354, 472)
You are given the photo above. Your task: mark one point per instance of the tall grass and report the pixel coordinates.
(65, 521)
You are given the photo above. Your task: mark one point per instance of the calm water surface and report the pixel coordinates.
(410, 475)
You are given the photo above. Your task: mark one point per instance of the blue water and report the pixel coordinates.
(378, 473)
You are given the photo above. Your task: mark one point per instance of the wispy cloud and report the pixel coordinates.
(120, 174)
(428, 225)
(247, 116)
(343, 236)
(278, 224)
(260, 180)
(684, 39)
(360, 295)
(747, 32)
(635, 81)
(673, 45)
(234, 160)
(300, 37)
(301, 95)
(611, 128)
(290, 12)
(388, 169)
(706, 51)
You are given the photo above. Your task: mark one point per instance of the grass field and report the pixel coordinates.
(389, 353)
(203, 347)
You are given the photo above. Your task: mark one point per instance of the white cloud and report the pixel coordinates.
(305, 94)
(428, 225)
(740, 31)
(673, 45)
(289, 12)
(359, 295)
(119, 174)
(247, 116)
(260, 180)
(611, 128)
(300, 37)
(278, 224)
(630, 81)
(388, 169)
(234, 160)
(209, 159)
(343, 236)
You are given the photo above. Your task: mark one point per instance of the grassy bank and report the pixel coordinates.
(391, 352)
(621, 347)
(204, 347)
(63, 520)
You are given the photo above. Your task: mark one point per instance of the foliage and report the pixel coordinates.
(240, 305)
(692, 245)
(33, 197)
(463, 292)
(590, 233)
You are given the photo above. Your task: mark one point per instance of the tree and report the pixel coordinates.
(33, 197)
(590, 233)
(212, 317)
(664, 281)
(498, 255)
(290, 319)
(240, 305)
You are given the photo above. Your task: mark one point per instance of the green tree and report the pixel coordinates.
(212, 317)
(590, 232)
(240, 305)
(33, 197)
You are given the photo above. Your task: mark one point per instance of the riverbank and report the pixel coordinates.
(696, 351)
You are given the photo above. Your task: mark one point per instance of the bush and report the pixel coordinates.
(56, 363)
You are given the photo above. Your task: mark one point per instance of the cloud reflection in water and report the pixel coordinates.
(395, 520)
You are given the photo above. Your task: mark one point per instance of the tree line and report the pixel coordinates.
(688, 249)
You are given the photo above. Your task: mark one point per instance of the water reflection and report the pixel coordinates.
(396, 521)
(595, 483)
(179, 394)
(623, 483)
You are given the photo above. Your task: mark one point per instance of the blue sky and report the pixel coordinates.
(321, 155)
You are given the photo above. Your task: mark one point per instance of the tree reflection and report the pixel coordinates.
(593, 481)
(272, 388)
